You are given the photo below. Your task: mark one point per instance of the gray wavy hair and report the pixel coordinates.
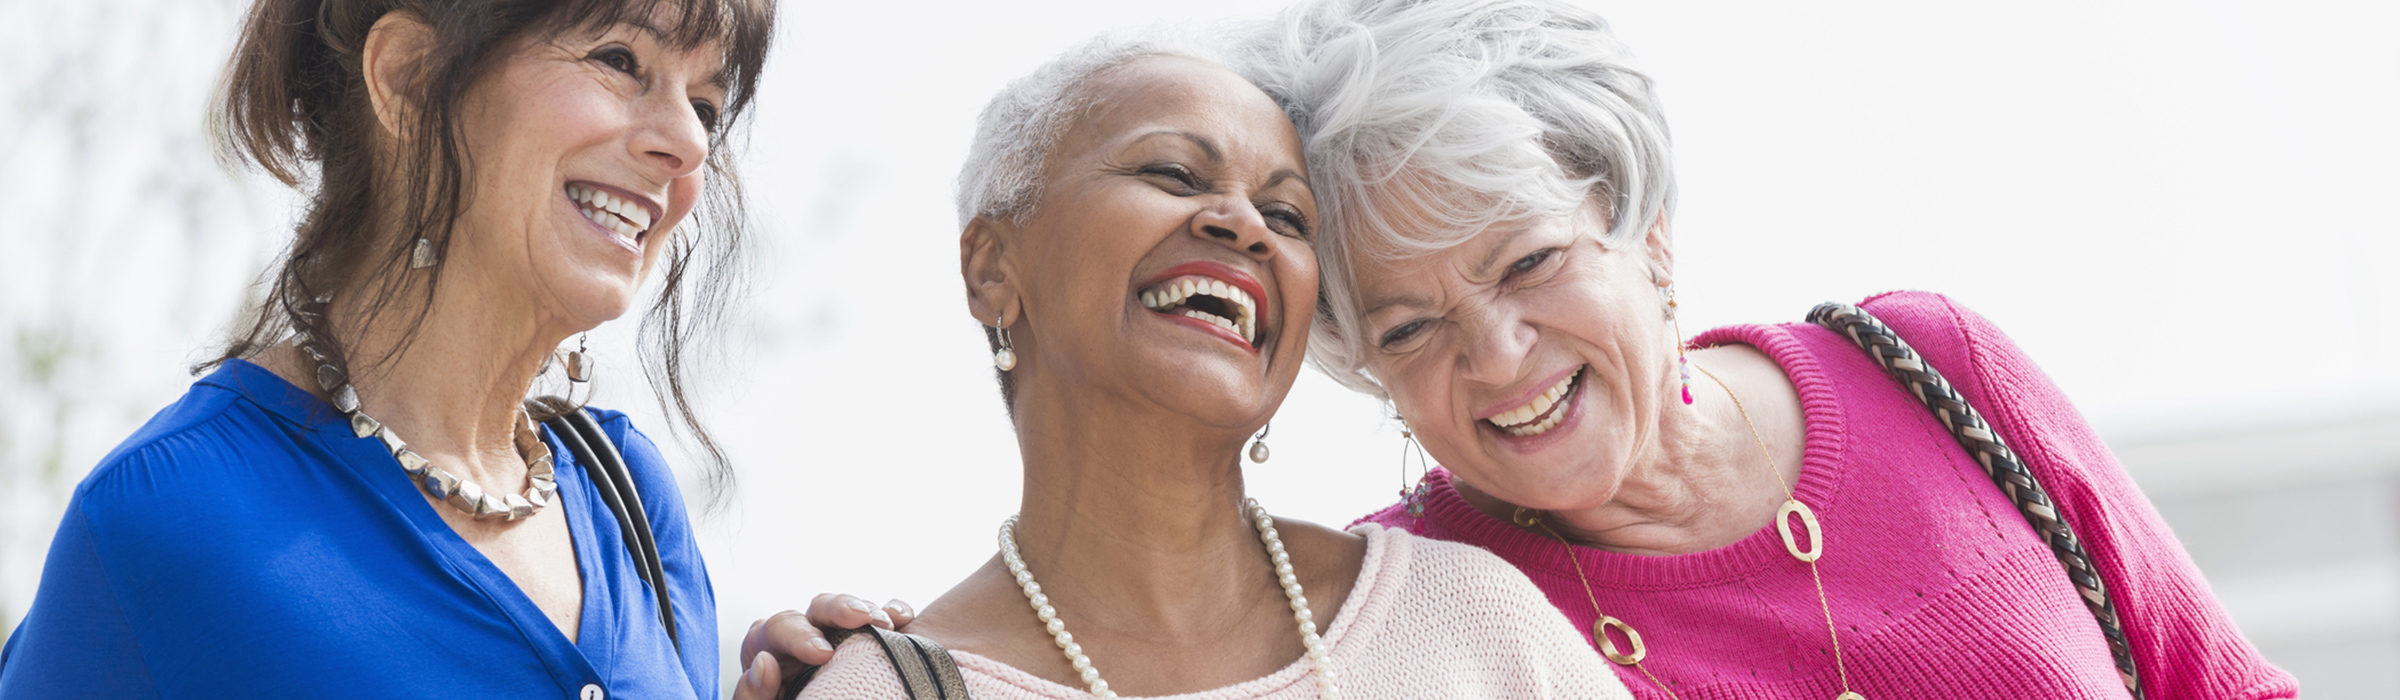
(1428, 121)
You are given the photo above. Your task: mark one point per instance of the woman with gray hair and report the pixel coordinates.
(1136, 227)
(1759, 505)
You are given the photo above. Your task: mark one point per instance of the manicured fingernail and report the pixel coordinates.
(860, 605)
(880, 616)
(820, 645)
(757, 677)
(901, 607)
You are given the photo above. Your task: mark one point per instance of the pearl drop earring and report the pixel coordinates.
(1006, 357)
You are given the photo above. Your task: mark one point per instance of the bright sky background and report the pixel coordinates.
(2181, 209)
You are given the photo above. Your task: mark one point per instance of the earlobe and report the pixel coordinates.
(984, 267)
(395, 51)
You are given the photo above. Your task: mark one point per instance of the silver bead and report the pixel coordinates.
(519, 507)
(411, 462)
(440, 483)
(465, 495)
(345, 399)
(490, 507)
(391, 440)
(329, 378)
(363, 425)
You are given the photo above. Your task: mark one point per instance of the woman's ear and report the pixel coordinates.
(391, 63)
(984, 266)
(1659, 244)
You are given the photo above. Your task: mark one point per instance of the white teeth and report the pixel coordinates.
(1174, 292)
(1515, 420)
(614, 213)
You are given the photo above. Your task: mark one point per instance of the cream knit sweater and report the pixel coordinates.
(1427, 619)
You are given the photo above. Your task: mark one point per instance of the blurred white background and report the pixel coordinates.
(2182, 209)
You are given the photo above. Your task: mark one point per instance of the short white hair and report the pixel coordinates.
(1426, 122)
(1019, 127)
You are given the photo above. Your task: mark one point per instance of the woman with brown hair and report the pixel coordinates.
(486, 181)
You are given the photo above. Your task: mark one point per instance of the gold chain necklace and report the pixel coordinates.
(1783, 527)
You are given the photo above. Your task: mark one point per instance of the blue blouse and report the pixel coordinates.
(245, 543)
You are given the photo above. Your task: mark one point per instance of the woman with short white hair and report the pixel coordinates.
(1757, 511)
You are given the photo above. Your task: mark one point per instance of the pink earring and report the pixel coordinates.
(1682, 366)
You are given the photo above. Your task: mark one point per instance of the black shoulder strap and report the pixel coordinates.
(598, 455)
(2015, 479)
(926, 670)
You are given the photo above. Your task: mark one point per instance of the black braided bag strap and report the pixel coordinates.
(2001, 463)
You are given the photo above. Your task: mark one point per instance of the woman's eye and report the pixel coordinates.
(1401, 334)
(1531, 262)
(1293, 223)
(618, 58)
(1180, 175)
(707, 113)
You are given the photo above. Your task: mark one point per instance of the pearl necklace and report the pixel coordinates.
(1323, 667)
(466, 496)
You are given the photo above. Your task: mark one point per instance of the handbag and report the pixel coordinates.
(1999, 462)
(574, 427)
(926, 670)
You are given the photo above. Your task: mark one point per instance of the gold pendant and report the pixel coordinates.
(1808, 521)
(1608, 647)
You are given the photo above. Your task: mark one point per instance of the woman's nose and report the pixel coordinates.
(669, 137)
(1236, 224)
(1496, 346)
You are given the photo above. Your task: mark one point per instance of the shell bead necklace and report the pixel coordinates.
(1282, 560)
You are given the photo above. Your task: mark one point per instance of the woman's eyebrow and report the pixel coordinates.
(1207, 147)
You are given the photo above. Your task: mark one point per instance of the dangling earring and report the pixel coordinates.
(1258, 445)
(1682, 366)
(579, 365)
(1414, 498)
(420, 256)
(1006, 357)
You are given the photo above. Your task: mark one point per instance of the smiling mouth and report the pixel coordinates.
(624, 217)
(1209, 300)
(1543, 413)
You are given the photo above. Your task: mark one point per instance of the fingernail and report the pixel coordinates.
(897, 604)
(757, 676)
(820, 645)
(880, 616)
(861, 605)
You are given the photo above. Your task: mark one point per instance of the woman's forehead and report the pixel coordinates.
(1185, 94)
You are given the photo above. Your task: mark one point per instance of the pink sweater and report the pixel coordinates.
(1939, 586)
(1428, 619)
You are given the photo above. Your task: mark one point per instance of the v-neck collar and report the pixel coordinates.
(571, 663)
